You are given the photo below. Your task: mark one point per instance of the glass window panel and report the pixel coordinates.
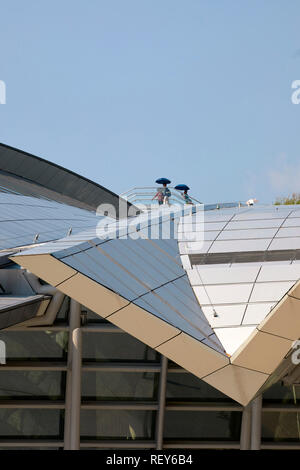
(119, 424)
(63, 313)
(116, 347)
(37, 345)
(30, 423)
(119, 385)
(280, 394)
(206, 425)
(34, 384)
(280, 426)
(184, 386)
(91, 316)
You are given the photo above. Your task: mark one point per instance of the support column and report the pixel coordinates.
(161, 403)
(74, 323)
(76, 389)
(245, 439)
(256, 423)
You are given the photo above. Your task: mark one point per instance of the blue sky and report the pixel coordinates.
(126, 91)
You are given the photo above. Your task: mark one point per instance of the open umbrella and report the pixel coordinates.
(182, 187)
(163, 181)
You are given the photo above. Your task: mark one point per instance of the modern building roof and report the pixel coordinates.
(215, 288)
(144, 289)
(29, 175)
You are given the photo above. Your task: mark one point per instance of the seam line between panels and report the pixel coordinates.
(165, 252)
(252, 289)
(272, 334)
(292, 296)
(182, 316)
(248, 369)
(280, 226)
(128, 248)
(222, 230)
(143, 284)
(102, 281)
(68, 278)
(167, 340)
(217, 370)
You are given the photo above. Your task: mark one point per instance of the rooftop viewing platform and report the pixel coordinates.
(142, 197)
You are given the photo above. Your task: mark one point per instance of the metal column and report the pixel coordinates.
(245, 439)
(256, 406)
(161, 403)
(74, 323)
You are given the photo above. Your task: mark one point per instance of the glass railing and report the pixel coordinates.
(143, 197)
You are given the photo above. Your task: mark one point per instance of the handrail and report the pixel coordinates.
(145, 194)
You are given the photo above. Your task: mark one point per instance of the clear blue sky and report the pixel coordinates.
(126, 91)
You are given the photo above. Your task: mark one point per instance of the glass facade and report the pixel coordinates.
(121, 395)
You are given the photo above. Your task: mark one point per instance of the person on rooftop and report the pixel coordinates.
(166, 193)
(186, 197)
(159, 196)
(185, 189)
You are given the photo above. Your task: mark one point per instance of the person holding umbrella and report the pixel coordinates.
(166, 193)
(160, 197)
(184, 188)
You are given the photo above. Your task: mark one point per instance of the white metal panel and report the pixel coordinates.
(226, 275)
(233, 338)
(270, 291)
(239, 245)
(256, 312)
(223, 294)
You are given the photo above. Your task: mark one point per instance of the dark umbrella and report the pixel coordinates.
(182, 187)
(163, 181)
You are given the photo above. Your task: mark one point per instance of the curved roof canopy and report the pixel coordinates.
(24, 173)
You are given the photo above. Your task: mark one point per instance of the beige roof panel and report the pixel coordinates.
(236, 382)
(92, 295)
(192, 355)
(45, 266)
(262, 352)
(284, 319)
(143, 325)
